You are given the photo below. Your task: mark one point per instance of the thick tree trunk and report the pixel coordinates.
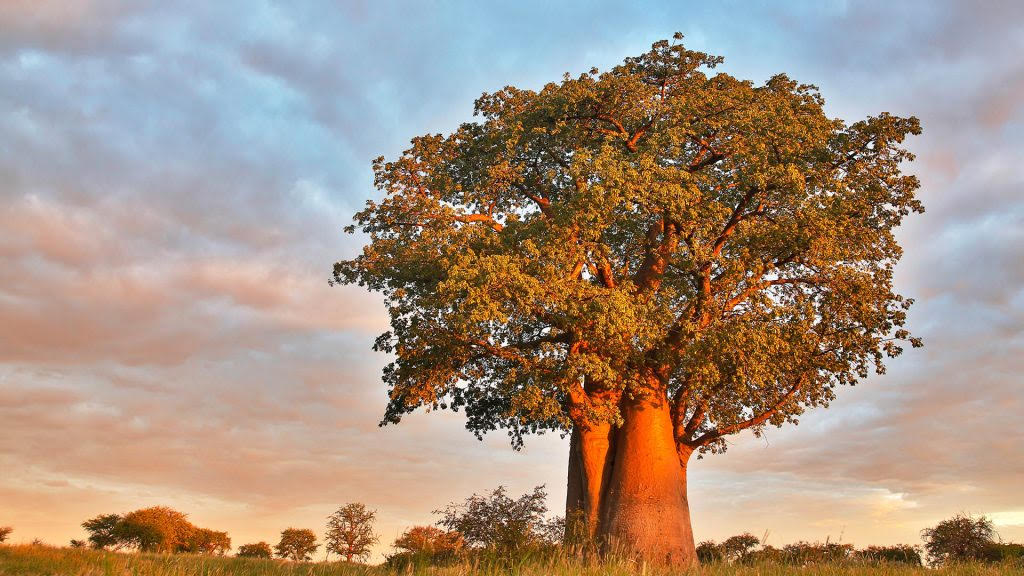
(590, 465)
(641, 505)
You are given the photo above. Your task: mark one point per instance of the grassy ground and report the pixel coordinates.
(46, 561)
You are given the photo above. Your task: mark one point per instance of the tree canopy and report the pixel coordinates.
(658, 229)
(296, 544)
(350, 532)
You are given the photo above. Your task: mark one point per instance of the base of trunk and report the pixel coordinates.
(642, 509)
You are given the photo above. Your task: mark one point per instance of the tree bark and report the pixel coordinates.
(640, 486)
(590, 466)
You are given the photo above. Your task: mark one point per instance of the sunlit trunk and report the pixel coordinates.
(590, 466)
(641, 506)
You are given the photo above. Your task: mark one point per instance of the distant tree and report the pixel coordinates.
(960, 538)
(78, 543)
(155, 529)
(708, 552)
(104, 531)
(257, 550)
(766, 554)
(37, 542)
(897, 554)
(296, 544)
(205, 541)
(653, 258)
(350, 532)
(5, 531)
(498, 522)
(430, 540)
(736, 548)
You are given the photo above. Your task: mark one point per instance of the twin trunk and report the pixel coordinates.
(628, 486)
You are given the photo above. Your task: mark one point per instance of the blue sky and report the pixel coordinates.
(173, 184)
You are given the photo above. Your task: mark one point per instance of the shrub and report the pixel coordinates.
(897, 554)
(803, 553)
(499, 523)
(257, 550)
(1008, 552)
(708, 552)
(958, 539)
(5, 531)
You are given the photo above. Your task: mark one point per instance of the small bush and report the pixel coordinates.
(898, 554)
(257, 550)
(708, 552)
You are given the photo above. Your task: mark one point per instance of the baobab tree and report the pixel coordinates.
(650, 259)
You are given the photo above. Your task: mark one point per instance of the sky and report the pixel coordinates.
(174, 179)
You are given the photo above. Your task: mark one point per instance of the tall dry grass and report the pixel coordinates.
(49, 561)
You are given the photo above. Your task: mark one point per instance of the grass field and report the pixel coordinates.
(43, 560)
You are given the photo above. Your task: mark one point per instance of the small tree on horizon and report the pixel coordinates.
(155, 529)
(5, 531)
(256, 550)
(296, 544)
(103, 531)
(736, 548)
(350, 532)
(960, 538)
(206, 541)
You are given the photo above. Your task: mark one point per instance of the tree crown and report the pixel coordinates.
(656, 230)
(350, 531)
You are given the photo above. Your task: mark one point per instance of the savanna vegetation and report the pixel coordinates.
(647, 259)
(496, 533)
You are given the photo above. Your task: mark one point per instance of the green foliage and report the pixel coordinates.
(257, 550)
(653, 229)
(1007, 553)
(708, 552)
(960, 538)
(296, 544)
(103, 531)
(900, 553)
(350, 532)
(422, 546)
(430, 540)
(737, 548)
(500, 523)
(804, 553)
(205, 541)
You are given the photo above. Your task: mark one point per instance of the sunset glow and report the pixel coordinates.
(173, 188)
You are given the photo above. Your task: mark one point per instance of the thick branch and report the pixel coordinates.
(761, 418)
